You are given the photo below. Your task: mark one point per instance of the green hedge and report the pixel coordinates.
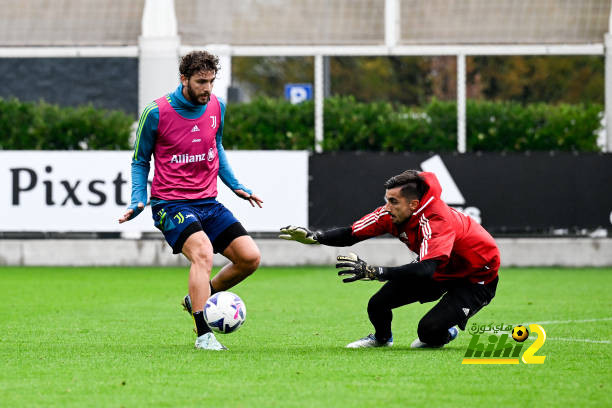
(41, 126)
(349, 125)
(381, 126)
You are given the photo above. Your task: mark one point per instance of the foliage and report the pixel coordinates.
(42, 126)
(411, 80)
(269, 124)
(529, 79)
(351, 125)
(510, 126)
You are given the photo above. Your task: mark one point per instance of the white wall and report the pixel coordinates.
(515, 252)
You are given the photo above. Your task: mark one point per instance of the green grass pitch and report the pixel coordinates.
(117, 337)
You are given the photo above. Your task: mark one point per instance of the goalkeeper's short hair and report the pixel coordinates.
(411, 183)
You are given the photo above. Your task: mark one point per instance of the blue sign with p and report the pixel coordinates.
(297, 93)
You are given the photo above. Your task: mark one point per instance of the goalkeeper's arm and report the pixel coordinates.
(361, 270)
(338, 237)
(424, 269)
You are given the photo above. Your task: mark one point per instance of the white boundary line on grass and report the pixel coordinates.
(581, 340)
(577, 321)
(573, 321)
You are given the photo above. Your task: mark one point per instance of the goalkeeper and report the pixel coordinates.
(457, 260)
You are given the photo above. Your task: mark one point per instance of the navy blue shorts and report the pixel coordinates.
(177, 221)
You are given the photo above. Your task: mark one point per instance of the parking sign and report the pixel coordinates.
(297, 93)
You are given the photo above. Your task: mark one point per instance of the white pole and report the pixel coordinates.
(159, 47)
(318, 101)
(392, 23)
(461, 121)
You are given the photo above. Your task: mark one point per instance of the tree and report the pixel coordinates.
(552, 79)
(415, 80)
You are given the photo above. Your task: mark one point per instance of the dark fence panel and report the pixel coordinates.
(535, 193)
(110, 83)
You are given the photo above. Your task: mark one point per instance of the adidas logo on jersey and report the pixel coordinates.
(195, 128)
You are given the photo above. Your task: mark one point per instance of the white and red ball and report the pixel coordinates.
(224, 312)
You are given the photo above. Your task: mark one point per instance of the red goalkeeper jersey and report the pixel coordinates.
(462, 247)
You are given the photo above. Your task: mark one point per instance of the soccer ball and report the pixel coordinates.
(224, 312)
(520, 333)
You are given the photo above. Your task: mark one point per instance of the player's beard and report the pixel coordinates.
(193, 97)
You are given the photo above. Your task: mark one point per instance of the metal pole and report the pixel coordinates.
(607, 144)
(318, 100)
(608, 84)
(326, 77)
(461, 121)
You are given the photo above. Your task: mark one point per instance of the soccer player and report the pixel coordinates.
(457, 260)
(183, 130)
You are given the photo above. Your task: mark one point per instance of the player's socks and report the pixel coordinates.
(201, 326)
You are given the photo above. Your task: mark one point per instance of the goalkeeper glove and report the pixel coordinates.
(299, 234)
(357, 268)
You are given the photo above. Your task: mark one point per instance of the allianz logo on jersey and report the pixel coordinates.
(451, 194)
(193, 158)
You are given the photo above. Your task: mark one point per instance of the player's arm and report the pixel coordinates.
(339, 237)
(358, 269)
(225, 170)
(371, 225)
(143, 149)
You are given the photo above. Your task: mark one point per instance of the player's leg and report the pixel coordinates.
(198, 249)
(183, 232)
(229, 238)
(394, 294)
(244, 256)
(460, 302)
(437, 327)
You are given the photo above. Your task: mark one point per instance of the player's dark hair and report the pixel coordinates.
(197, 61)
(411, 182)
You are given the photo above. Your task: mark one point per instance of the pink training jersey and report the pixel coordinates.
(186, 162)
